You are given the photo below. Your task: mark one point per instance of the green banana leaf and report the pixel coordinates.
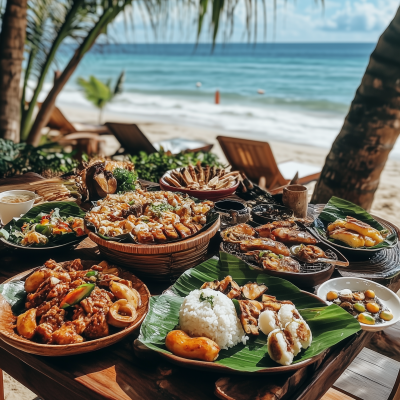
(67, 209)
(15, 295)
(329, 324)
(337, 208)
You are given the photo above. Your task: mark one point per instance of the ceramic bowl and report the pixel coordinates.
(388, 298)
(8, 211)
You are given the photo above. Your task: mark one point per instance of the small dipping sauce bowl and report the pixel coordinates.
(265, 213)
(8, 210)
(232, 212)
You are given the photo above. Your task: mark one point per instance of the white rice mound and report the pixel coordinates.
(218, 322)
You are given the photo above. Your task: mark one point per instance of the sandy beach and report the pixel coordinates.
(387, 198)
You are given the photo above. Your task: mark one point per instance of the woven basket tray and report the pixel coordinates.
(162, 262)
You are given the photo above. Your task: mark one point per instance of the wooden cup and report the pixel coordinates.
(296, 198)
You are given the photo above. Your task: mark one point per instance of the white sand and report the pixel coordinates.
(387, 197)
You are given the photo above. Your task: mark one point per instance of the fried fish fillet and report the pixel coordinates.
(292, 236)
(285, 264)
(265, 231)
(264, 244)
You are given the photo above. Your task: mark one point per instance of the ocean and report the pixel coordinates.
(307, 88)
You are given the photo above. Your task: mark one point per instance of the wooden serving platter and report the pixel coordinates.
(8, 334)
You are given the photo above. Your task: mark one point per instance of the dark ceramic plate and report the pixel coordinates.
(265, 213)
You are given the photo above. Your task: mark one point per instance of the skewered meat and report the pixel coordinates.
(292, 236)
(264, 244)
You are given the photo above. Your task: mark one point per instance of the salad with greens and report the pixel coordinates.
(46, 225)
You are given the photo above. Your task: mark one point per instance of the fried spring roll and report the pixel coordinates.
(182, 230)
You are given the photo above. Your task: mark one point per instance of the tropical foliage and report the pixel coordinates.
(18, 158)
(100, 93)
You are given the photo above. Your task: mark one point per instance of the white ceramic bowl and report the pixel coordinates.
(8, 211)
(388, 298)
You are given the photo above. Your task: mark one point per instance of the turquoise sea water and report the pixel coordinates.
(307, 87)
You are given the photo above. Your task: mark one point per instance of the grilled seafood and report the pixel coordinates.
(151, 217)
(310, 253)
(274, 262)
(250, 291)
(202, 178)
(266, 230)
(293, 236)
(355, 233)
(237, 233)
(264, 244)
(65, 303)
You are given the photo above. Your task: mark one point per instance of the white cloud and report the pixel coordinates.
(361, 16)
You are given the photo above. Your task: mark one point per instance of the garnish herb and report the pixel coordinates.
(125, 179)
(160, 208)
(209, 299)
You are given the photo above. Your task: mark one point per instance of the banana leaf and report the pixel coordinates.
(329, 324)
(337, 208)
(15, 295)
(67, 209)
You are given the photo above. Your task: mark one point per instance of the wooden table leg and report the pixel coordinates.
(1, 385)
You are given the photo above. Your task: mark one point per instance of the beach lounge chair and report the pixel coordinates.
(257, 161)
(59, 122)
(133, 140)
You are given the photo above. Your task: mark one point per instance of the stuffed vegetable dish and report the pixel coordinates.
(150, 217)
(67, 304)
(222, 314)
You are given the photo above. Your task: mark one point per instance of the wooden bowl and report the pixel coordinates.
(160, 262)
(212, 195)
(8, 334)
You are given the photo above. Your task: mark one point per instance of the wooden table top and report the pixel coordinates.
(125, 371)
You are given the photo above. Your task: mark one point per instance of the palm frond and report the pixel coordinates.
(118, 84)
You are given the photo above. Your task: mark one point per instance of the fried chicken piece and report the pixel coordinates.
(229, 287)
(74, 275)
(58, 291)
(45, 307)
(293, 236)
(99, 300)
(75, 265)
(97, 327)
(37, 298)
(51, 264)
(49, 323)
(67, 334)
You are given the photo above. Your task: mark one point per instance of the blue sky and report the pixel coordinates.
(296, 21)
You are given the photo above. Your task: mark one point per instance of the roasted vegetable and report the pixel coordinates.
(77, 295)
(26, 324)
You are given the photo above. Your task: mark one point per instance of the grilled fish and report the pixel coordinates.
(292, 236)
(264, 244)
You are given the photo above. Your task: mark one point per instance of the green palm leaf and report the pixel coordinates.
(329, 324)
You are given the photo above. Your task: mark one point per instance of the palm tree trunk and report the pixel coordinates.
(359, 153)
(12, 41)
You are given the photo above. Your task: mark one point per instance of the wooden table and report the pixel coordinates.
(125, 371)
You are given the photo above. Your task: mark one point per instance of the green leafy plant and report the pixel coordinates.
(125, 179)
(100, 93)
(151, 167)
(18, 158)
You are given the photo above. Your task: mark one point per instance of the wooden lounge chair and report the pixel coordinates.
(59, 122)
(257, 161)
(133, 140)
